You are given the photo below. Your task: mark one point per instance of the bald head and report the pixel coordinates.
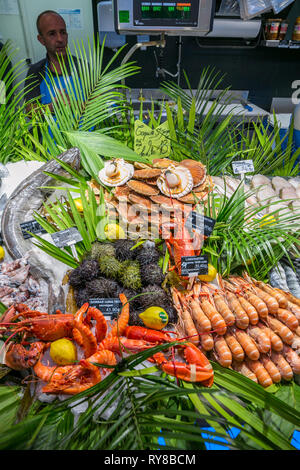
(52, 33)
(39, 20)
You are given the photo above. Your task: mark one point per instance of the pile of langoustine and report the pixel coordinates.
(245, 325)
(100, 344)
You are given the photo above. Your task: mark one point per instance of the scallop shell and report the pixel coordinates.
(124, 172)
(94, 186)
(141, 201)
(197, 170)
(193, 197)
(122, 192)
(142, 188)
(184, 187)
(163, 163)
(167, 202)
(147, 173)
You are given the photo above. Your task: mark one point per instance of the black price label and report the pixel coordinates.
(242, 166)
(67, 237)
(204, 225)
(31, 226)
(110, 307)
(194, 265)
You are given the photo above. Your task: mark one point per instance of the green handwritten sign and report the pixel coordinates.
(152, 142)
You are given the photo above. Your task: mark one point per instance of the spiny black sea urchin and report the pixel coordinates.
(89, 269)
(102, 287)
(147, 255)
(123, 249)
(75, 279)
(152, 275)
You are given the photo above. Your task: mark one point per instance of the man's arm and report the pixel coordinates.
(31, 89)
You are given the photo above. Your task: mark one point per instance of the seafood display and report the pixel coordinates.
(147, 196)
(18, 285)
(282, 193)
(112, 268)
(245, 325)
(97, 344)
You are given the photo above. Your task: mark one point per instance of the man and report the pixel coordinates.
(53, 35)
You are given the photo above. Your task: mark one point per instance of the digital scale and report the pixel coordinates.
(174, 18)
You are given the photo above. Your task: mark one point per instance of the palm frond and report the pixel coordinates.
(239, 241)
(131, 409)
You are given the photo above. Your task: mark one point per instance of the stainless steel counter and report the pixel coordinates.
(236, 106)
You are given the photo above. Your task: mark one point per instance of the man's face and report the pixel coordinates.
(53, 34)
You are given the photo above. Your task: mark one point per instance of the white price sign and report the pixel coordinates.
(242, 166)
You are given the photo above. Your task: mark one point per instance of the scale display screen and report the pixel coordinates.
(167, 16)
(166, 11)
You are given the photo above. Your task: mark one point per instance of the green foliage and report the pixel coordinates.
(239, 242)
(93, 102)
(136, 404)
(14, 126)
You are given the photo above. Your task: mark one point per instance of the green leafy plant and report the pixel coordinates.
(240, 241)
(132, 408)
(14, 126)
(93, 97)
(271, 153)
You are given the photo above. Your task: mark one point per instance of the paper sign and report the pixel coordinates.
(9, 7)
(31, 226)
(242, 166)
(194, 265)
(152, 142)
(110, 307)
(73, 18)
(67, 237)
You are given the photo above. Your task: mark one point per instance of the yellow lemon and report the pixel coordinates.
(2, 253)
(267, 220)
(212, 272)
(114, 232)
(63, 352)
(154, 317)
(78, 204)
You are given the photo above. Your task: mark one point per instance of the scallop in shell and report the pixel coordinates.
(175, 181)
(116, 172)
(197, 170)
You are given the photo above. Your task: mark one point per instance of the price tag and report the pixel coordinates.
(194, 265)
(204, 225)
(67, 237)
(110, 307)
(31, 226)
(242, 166)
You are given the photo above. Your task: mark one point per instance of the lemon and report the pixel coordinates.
(63, 351)
(2, 253)
(114, 231)
(155, 317)
(267, 220)
(78, 204)
(212, 272)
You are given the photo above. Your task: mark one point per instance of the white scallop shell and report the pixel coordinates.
(125, 173)
(185, 186)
